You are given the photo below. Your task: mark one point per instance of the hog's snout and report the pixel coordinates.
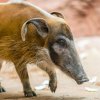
(81, 79)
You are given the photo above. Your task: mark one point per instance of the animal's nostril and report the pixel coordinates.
(82, 79)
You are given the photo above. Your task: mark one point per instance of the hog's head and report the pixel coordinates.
(59, 41)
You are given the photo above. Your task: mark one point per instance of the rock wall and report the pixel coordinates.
(83, 16)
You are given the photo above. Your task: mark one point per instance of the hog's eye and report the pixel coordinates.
(62, 42)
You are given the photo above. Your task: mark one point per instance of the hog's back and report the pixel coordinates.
(12, 17)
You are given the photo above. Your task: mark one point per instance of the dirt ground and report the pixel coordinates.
(89, 50)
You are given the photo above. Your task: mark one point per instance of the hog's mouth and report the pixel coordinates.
(79, 78)
(82, 81)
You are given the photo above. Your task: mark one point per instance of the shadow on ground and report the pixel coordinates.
(45, 97)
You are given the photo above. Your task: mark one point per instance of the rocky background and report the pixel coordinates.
(83, 16)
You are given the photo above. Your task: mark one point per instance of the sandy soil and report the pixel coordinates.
(67, 88)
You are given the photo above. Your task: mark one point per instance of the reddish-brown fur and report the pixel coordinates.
(12, 48)
(29, 34)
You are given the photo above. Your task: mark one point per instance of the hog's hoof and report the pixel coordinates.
(2, 90)
(53, 85)
(29, 93)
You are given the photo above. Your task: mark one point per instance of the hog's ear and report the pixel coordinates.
(57, 14)
(39, 23)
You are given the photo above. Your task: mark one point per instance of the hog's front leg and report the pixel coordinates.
(45, 63)
(23, 74)
(1, 88)
(51, 72)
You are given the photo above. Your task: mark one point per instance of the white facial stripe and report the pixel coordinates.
(48, 15)
(4, 3)
(38, 8)
(34, 6)
(11, 2)
(30, 4)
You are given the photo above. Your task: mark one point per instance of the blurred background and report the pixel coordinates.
(83, 17)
